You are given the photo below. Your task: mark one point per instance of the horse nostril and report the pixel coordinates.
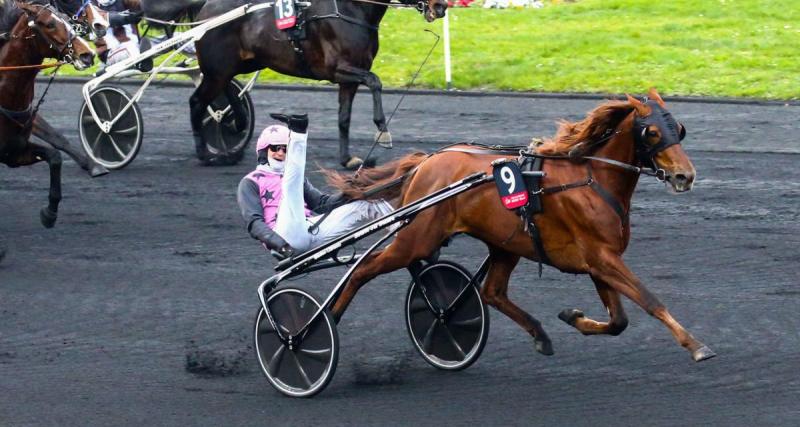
(439, 9)
(87, 58)
(681, 178)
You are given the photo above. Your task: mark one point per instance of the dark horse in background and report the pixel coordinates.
(38, 32)
(592, 169)
(88, 18)
(340, 44)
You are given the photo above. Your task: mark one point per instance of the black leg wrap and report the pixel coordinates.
(570, 316)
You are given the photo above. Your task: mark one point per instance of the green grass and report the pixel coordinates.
(737, 48)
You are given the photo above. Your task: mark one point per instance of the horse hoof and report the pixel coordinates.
(97, 170)
(544, 347)
(370, 162)
(48, 217)
(353, 163)
(384, 138)
(570, 315)
(703, 353)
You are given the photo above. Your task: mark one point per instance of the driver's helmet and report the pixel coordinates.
(106, 3)
(273, 135)
(122, 52)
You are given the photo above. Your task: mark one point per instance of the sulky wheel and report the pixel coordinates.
(117, 147)
(225, 139)
(446, 318)
(299, 358)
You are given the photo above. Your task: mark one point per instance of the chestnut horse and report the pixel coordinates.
(339, 45)
(584, 228)
(39, 33)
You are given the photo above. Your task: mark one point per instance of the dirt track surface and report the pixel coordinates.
(150, 268)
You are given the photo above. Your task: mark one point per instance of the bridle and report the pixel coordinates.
(66, 52)
(673, 133)
(25, 117)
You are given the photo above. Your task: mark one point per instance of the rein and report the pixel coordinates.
(33, 67)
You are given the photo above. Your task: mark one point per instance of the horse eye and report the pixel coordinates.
(652, 133)
(51, 25)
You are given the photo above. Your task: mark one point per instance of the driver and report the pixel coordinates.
(122, 40)
(279, 205)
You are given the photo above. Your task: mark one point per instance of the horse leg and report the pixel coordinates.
(34, 153)
(239, 113)
(617, 323)
(346, 73)
(495, 293)
(347, 91)
(610, 269)
(45, 132)
(418, 241)
(209, 88)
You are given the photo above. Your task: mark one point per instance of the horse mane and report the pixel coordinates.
(575, 139)
(359, 186)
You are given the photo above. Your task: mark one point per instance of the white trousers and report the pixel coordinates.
(292, 223)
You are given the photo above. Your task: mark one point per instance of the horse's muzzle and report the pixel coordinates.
(99, 30)
(437, 11)
(84, 60)
(681, 182)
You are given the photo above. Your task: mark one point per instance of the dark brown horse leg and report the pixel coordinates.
(347, 91)
(349, 74)
(239, 114)
(209, 88)
(611, 270)
(495, 293)
(617, 323)
(45, 132)
(34, 153)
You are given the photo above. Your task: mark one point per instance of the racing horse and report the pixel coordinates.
(38, 33)
(592, 168)
(84, 17)
(339, 45)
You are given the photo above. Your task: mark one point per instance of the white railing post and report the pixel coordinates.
(448, 77)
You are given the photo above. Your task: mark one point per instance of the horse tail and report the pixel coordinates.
(381, 182)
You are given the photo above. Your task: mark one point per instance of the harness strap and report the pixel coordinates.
(611, 201)
(20, 118)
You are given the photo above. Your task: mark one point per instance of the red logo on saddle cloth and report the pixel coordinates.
(515, 200)
(285, 23)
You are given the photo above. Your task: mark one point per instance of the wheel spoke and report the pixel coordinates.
(322, 355)
(116, 147)
(206, 120)
(474, 323)
(454, 343)
(275, 360)
(458, 299)
(428, 339)
(265, 327)
(127, 131)
(301, 370)
(102, 96)
(417, 305)
(96, 141)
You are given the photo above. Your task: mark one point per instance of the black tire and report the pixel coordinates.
(117, 148)
(313, 359)
(450, 332)
(223, 144)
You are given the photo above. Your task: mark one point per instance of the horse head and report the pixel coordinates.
(658, 137)
(430, 9)
(84, 16)
(54, 37)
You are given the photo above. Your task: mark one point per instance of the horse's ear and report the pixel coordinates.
(641, 109)
(653, 94)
